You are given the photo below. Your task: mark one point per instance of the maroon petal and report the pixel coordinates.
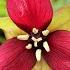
(14, 56)
(29, 14)
(59, 56)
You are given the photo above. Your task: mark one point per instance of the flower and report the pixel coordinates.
(34, 17)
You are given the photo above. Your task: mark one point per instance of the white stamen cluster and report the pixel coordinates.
(36, 40)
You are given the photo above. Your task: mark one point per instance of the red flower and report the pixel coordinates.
(34, 16)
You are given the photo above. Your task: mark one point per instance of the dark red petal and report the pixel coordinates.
(59, 56)
(14, 56)
(29, 14)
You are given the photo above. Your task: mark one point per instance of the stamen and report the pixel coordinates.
(23, 37)
(35, 44)
(29, 46)
(35, 31)
(45, 32)
(46, 46)
(38, 54)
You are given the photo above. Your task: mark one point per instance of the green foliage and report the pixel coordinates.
(2, 36)
(3, 11)
(59, 3)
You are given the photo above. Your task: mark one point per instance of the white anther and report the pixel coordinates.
(38, 54)
(34, 39)
(46, 46)
(39, 39)
(29, 46)
(23, 37)
(35, 44)
(45, 32)
(35, 31)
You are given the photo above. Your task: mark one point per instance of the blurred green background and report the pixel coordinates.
(55, 3)
(59, 3)
(3, 11)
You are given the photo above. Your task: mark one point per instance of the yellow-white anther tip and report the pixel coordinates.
(35, 44)
(23, 37)
(35, 31)
(45, 32)
(38, 54)
(29, 46)
(46, 46)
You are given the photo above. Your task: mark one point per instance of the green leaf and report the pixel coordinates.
(3, 11)
(2, 36)
(9, 28)
(57, 4)
(61, 20)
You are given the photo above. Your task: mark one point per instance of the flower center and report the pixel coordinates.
(36, 40)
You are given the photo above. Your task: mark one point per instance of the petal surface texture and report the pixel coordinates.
(59, 56)
(29, 14)
(61, 19)
(14, 56)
